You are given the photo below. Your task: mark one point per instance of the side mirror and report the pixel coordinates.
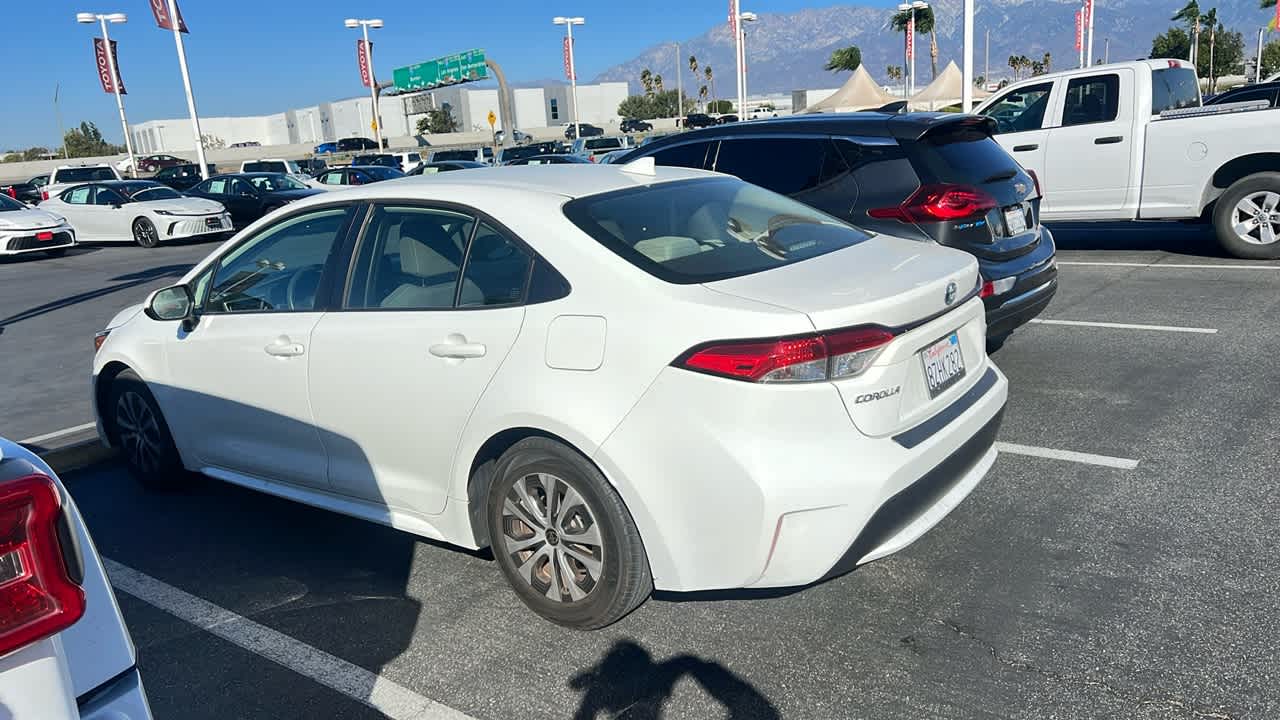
(171, 303)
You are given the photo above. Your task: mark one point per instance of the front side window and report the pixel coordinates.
(410, 259)
(78, 195)
(333, 177)
(1021, 109)
(810, 162)
(273, 182)
(689, 155)
(1092, 100)
(698, 231)
(240, 187)
(279, 269)
(215, 186)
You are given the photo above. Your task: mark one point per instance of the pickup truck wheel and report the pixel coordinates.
(1247, 217)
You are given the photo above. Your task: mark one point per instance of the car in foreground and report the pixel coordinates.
(65, 653)
(934, 177)
(67, 175)
(631, 125)
(140, 211)
(553, 159)
(155, 163)
(762, 395)
(1268, 92)
(356, 175)
(27, 191)
(249, 196)
(574, 131)
(24, 229)
(431, 168)
(183, 177)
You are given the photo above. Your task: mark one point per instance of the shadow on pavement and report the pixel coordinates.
(154, 273)
(42, 257)
(629, 684)
(1171, 237)
(130, 281)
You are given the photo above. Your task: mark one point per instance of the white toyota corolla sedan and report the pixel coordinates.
(141, 211)
(620, 378)
(24, 229)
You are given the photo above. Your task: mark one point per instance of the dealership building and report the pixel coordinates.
(538, 107)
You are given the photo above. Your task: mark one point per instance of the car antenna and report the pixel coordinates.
(640, 166)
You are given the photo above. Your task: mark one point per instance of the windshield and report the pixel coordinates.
(275, 181)
(7, 204)
(86, 174)
(152, 192)
(698, 231)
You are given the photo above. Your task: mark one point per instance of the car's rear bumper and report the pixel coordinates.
(1036, 282)
(120, 698)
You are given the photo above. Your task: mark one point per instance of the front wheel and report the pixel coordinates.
(144, 233)
(1247, 217)
(563, 537)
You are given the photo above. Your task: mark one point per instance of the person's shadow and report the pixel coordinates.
(629, 684)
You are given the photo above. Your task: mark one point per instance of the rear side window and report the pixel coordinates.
(961, 155)
(1173, 88)
(1092, 100)
(809, 162)
(1268, 94)
(496, 271)
(690, 155)
(703, 230)
(410, 259)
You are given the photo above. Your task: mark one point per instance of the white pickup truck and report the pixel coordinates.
(1130, 141)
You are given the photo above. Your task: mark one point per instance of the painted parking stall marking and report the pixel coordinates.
(1126, 326)
(384, 695)
(57, 434)
(1067, 455)
(1175, 266)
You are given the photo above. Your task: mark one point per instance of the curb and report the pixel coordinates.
(74, 456)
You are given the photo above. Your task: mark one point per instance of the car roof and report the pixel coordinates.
(1247, 88)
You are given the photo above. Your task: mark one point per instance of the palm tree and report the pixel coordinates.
(1210, 19)
(1015, 64)
(693, 67)
(1190, 14)
(924, 24)
(646, 80)
(894, 72)
(657, 84)
(844, 59)
(711, 79)
(1047, 62)
(702, 94)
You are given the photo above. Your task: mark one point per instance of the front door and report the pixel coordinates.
(90, 220)
(1020, 116)
(397, 372)
(238, 379)
(1091, 152)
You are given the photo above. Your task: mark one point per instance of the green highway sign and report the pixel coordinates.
(448, 70)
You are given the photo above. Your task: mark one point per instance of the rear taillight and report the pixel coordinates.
(997, 287)
(37, 596)
(1036, 179)
(46, 235)
(11, 192)
(44, 195)
(809, 358)
(934, 203)
(100, 338)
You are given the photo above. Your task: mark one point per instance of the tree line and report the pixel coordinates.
(83, 141)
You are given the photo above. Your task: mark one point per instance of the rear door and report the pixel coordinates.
(1021, 116)
(1089, 162)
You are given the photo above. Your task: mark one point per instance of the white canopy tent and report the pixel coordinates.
(859, 92)
(945, 90)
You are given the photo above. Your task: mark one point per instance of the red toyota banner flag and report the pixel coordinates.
(1088, 12)
(1079, 30)
(911, 37)
(104, 67)
(160, 8)
(362, 57)
(568, 59)
(733, 16)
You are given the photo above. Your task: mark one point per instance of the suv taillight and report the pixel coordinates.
(934, 203)
(807, 358)
(44, 194)
(37, 596)
(11, 192)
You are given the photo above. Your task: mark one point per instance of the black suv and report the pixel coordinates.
(355, 144)
(583, 130)
(935, 177)
(698, 120)
(633, 125)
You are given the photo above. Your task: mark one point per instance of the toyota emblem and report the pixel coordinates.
(950, 297)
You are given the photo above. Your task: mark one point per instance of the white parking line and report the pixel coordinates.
(1068, 455)
(388, 697)
(56, 434)
(1126, 326)
(1180, 266)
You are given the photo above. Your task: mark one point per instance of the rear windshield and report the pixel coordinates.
(1173, 88)
(520, 152)
(699, 231)
(268, 166)
(599, 143)
(88, 174)
(9, 204)
(453, 155)
(964, 155)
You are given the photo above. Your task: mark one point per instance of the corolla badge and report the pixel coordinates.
(950, 297)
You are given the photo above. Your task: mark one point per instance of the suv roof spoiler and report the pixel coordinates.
(916, 126)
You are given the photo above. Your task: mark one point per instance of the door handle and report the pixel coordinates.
(458, 348)
(1025, 148)
(1111, 140)
(284, 348)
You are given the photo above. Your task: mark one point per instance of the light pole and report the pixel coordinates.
(747, 17)
(364, 26)
(680, 86)
(1257, 75)
(89, 19)
(966, 95)
(909, 49)
(568, 23)
(186, 83)
(735, 26)
(1088, 58)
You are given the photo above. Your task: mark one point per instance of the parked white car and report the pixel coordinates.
(65, 653)
(141, 211)
(64, 176)
(25, 229)
(1130, 141)
(619, 377)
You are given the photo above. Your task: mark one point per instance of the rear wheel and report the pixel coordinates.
(144, 233)
(563, 537)
(140, 433)
(1247, 217)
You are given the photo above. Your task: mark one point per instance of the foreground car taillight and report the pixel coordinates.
(809, 358)
(934, 203)
(37, 596)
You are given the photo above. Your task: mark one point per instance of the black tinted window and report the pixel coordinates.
(410, 259)
(1268, 94)
(964, 155)
(89, 174)
(690, 155)
(453, 155)
(1092, 99)
(496, 272)
(1173, 88)
(107, 196)
(809, 162)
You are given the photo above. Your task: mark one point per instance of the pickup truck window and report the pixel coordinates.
(1173, 88)
(1021, 109)
(1091, 100)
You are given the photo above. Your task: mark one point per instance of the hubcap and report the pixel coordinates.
(551, 536)
(1256, 218)
(138, 430)
(145, 232)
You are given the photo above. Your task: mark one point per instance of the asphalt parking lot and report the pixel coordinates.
(1118, 562)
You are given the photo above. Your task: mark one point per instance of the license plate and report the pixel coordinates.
(943, 364)
(1015, 220)
(213, 222)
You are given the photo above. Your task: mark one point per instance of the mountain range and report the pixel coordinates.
(786, 51)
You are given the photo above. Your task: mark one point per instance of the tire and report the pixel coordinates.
(144, 233)
(139, 431)
(1251, 203)
(537, 560)
(56, 252)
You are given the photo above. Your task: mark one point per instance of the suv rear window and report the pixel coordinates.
(601, 143)
(87, 174)
(960, 155)
(697, 231)
(1173, 88)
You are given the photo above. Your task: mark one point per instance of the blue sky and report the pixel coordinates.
(256, 57)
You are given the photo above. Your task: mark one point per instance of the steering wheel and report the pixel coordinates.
(292, 293)
(1004, 126)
